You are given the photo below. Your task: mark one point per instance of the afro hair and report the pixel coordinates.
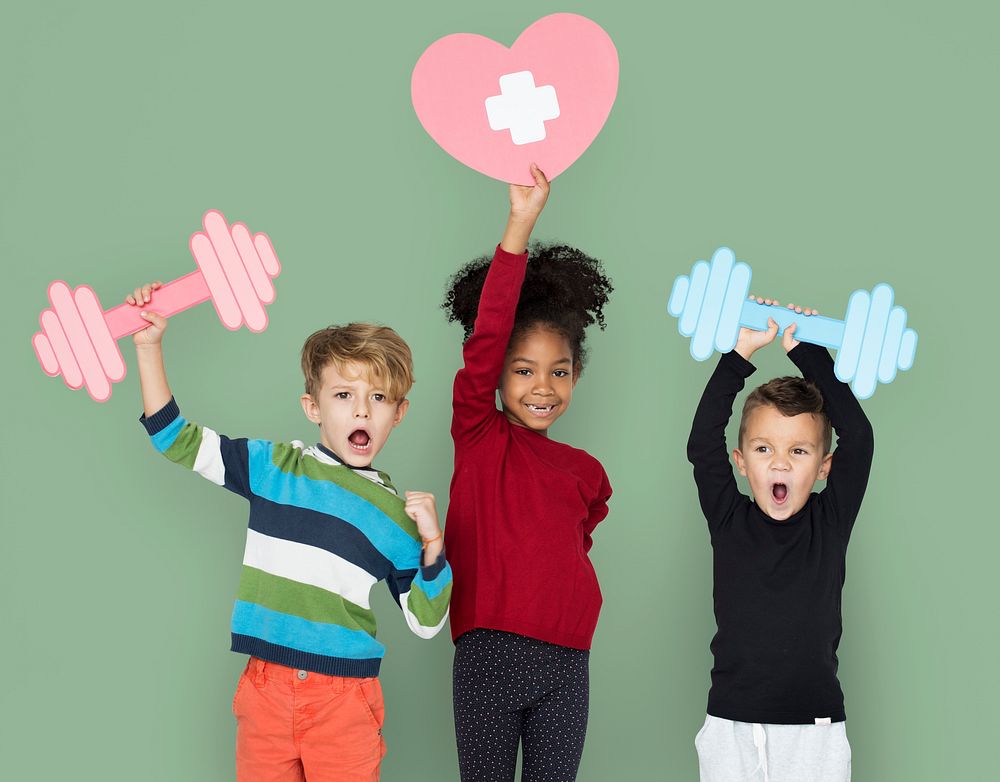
(564, 290)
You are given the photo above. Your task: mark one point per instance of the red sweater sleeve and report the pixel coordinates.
(598, 511)
(474, 398)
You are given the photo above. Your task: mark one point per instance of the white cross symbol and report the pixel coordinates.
(522, 108)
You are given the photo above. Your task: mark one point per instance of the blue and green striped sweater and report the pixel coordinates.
(321, 535)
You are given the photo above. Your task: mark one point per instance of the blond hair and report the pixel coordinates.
(381, 353)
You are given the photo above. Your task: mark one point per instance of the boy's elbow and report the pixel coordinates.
(695, 448)
(861, 436)
(865, 432)
(690, 451)
(426, 613)
(426, 632)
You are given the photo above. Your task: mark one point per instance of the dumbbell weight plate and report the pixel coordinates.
(707, 303)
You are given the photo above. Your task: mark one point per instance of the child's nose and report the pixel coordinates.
(542, 385)
(361, 410)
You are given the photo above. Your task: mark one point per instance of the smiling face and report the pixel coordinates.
(782, 457)
(354, 413)
(536, 384)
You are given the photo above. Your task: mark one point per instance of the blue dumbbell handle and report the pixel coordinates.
(817, 329)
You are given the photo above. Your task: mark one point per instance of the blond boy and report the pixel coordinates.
(325, 526)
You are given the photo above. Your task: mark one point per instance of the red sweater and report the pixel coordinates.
(522, 506)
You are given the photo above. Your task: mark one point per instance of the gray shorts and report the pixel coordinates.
(750, 752)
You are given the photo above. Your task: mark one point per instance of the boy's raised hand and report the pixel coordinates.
(152, 375)
(788, 342)
(526, 203)
(153, 334)
(750, 340)
(420, 507)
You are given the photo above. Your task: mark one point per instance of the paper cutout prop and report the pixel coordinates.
(235, 269)
(872, 340)
(543, 100)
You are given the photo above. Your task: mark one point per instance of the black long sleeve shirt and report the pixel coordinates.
(778, 584)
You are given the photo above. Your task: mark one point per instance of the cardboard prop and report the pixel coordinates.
(235, 269)
(872, 341)
(543, 100)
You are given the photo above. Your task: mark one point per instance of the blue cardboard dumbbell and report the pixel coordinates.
(872, 341)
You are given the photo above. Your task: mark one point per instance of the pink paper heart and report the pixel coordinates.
(560, 81)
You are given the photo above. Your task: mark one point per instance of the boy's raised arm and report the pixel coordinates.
(852, 460)
(424, 592)
(149, 353)
(706, 448)
(224, 461)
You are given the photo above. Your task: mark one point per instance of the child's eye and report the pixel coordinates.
(524, 372)
(800, 451)
(342, 395)
(378, 397)
(761, 449)
(561, 373)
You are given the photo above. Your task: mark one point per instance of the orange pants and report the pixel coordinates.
(298, 725)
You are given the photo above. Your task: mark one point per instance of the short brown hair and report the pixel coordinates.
(381, 351)
(790, 396)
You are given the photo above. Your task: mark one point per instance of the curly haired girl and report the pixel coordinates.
(523, 506)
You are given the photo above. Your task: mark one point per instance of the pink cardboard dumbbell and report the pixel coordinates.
(79, 341)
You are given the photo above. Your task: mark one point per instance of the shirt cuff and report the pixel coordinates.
(737, 364)
(432, 571)
(502, 255)
(161, 419)
(806, 354)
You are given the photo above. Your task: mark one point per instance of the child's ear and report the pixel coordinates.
(401, 409)
(577, 369)
(824, 467)
(310, 408)
(740, 462)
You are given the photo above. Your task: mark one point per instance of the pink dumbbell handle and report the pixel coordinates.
(239, 294)
(181, 294)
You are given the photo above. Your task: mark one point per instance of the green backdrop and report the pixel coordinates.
(832, 145)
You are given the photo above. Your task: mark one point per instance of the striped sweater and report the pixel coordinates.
(321, 534)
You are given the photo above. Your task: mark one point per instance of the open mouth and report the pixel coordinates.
(779, 493)
(360, 440)
(541, 411)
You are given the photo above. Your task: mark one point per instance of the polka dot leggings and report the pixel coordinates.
(510, 689)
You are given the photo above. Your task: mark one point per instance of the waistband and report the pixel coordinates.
(262, 671)
(315, 663)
